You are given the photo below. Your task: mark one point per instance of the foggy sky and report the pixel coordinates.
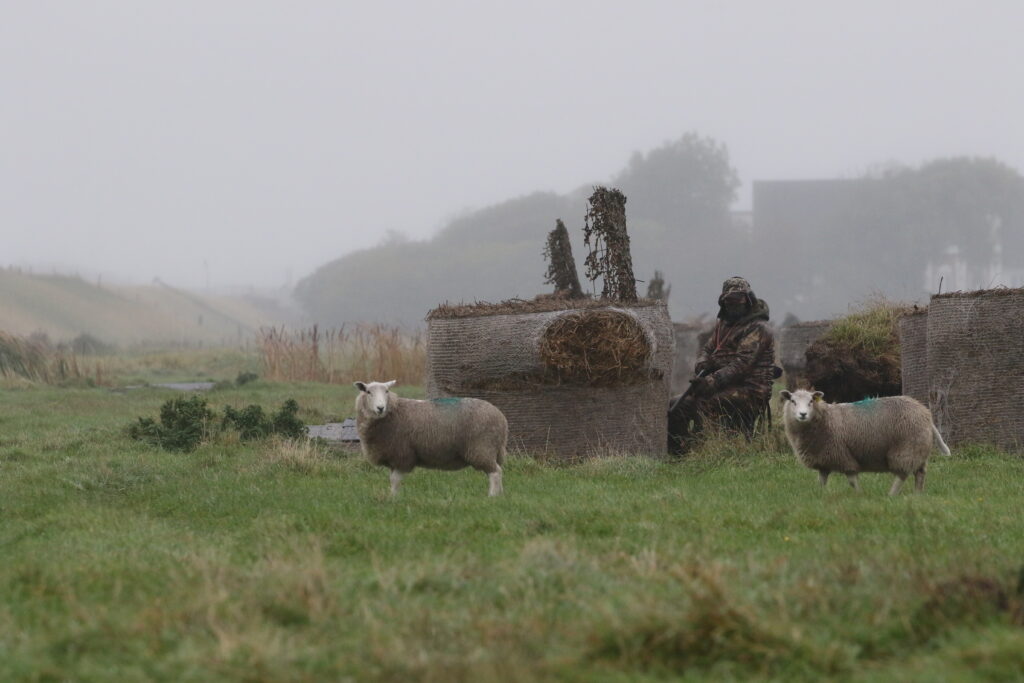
(246, 141)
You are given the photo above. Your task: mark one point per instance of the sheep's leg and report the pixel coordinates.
(900, 478)
(919, 479)
(852, 478)
(495, 481)
(823, 477)
(396, 481)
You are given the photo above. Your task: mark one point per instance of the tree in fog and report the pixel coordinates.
(688, 183)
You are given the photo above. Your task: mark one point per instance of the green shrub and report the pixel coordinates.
(184, 422)
(286, 421)
(251, 422)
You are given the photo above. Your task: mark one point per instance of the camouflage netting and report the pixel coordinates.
(571, 382)
(688, 347)
(792, 349)
(976, 366)
(914, 354)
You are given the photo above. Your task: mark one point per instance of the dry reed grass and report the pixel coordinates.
(36, 360)
(342, 355)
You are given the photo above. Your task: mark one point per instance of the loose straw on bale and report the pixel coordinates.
(479, 309)
(597, 348)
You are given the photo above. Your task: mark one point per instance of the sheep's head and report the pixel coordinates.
(801, 405)
(373, 398)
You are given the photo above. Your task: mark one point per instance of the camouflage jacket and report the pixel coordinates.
(741, 354)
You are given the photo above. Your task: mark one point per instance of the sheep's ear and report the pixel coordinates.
(818, 395)
(785, 395)
(360, 386)
(390, 384)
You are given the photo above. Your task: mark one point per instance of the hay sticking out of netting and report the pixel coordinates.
(859, 355)
(520, 306)
(596, 348)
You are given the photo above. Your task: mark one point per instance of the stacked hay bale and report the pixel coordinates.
(794, 341)
(573, 378)
(688, 346)
(858, 356)
(914, 354)
(976, 366)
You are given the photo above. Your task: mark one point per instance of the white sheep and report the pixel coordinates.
(443, 434)
(892, 434)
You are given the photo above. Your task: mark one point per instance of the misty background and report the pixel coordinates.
(338, 162)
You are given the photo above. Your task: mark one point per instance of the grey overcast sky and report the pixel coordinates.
(243, 141)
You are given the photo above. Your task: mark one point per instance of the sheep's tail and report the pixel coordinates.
(938, 439)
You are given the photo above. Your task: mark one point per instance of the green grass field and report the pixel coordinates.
(288, 562)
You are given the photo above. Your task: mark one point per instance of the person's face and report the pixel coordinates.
(734, 303)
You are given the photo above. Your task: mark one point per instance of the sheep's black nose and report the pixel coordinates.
(803, 414)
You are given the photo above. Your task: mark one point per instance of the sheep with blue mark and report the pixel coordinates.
(891, 434)
(444, 434)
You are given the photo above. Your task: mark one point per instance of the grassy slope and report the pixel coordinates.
(65, 307)
(279, 562)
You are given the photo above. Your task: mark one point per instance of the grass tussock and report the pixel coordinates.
(365, 352)
(298, 455)
(704, 627)
(871, 328)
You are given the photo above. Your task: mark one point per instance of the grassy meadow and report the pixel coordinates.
(286, 561)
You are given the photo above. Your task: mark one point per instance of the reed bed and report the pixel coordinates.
(37, 360)
(342, 355)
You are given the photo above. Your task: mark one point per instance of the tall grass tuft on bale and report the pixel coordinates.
(859, 355)
(873, 328)
(338, 356)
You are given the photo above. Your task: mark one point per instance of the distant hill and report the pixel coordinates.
(65, 306)
(678, 206)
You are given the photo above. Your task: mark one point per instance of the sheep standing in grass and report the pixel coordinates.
(443, 434)
(892, 434)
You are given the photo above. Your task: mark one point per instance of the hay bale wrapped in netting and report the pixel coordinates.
(792, 349)
(688, 346)
(914, 354)
(572, 377)
(976, 366)
(858, 356)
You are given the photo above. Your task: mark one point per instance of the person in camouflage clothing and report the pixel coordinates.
(734, 371)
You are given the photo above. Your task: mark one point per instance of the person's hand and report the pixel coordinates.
(700, 386)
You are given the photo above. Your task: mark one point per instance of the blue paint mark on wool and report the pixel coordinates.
(866, 403)
(446, 401)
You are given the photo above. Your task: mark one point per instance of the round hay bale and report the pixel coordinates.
(914, 354)
(858, 356)
(793, 343)
(571, 382)
(688, 347)
(976, 366)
